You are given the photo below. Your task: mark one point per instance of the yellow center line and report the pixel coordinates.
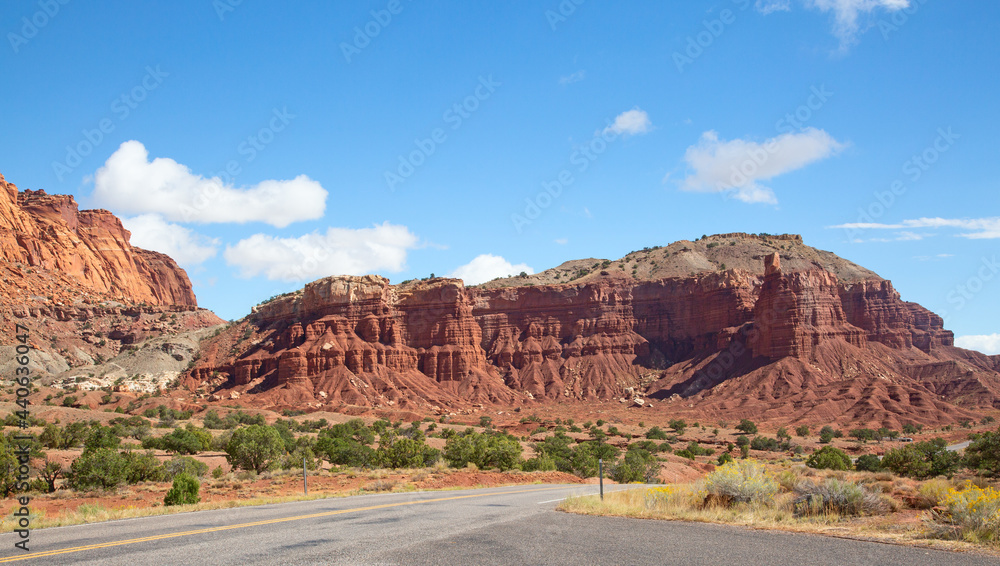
(256, 523)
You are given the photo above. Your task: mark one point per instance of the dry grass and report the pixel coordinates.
(878, 519)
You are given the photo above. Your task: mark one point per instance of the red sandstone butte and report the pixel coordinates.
(825, 341)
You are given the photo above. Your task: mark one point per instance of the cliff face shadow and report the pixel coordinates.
(713, 368)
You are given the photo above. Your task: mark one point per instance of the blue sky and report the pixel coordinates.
(266, 145)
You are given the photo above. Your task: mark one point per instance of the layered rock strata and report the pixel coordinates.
(85, 251)
(765, 339)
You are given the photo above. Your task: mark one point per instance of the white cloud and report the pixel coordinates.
(185, 246)
(573, 77)
(737, 166)
(904, 236)
(130, 183)
(486, 267)
(985, 343)
(846, 13)
(975, 228)
(340, 251)
(562, 241)
(630, 122)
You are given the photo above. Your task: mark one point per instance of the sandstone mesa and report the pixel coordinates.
(728, 326)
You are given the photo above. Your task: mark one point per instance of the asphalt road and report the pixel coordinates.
(512, 525)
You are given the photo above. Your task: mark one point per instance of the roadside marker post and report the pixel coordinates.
(305, 482)
(600, 475)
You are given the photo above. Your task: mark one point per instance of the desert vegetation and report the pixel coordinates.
(734, 472)
(912, 494)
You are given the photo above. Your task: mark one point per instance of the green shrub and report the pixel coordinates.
(142, 466)
(400, 452)
(742, 481)
(829, 458)
(598, 434)
(655, 433)
(51, 437)
(539, 464)
(802, 431)
(256, 448)
(107, 468)
(765, 443)
(647, 445)
(587, 454)
(184, 465)
(212, 420)
(181, 441)
(301, 454)
(868, 463)
(486, 451)
(828, 433)
(685, 453)
(833, 495)
(636, 466)
(102, 437)
(103, 468)
(345, 452)
(556, 448)
(983, 454)
(922, 460)
(184, 491)
(864, 434)
(679, 425)
(217, 472)
(747, 426)
(698, 450)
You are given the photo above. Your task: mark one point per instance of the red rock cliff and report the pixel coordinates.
(85, 251)
(761, 342)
